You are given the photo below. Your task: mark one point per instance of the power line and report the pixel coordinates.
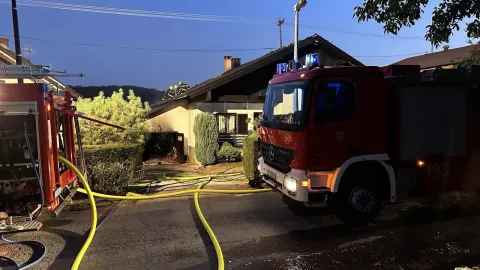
(140, 13)
(143, 48)
(346, 31)
(188, 50)
(188, 16)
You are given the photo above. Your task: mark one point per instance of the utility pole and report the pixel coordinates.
(279, 24)
(16, 34)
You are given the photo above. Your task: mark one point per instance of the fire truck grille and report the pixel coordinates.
(277, 157)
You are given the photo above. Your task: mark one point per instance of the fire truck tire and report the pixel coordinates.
(358, 203)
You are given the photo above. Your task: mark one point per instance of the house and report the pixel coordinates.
(7, 57)
(448, 58)
(236, 96)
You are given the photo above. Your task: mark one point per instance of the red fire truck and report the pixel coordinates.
(38, 123)
(357, 137)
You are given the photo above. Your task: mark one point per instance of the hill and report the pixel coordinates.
(150, 95)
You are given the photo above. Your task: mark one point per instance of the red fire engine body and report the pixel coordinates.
(43, 124)
(356, 137)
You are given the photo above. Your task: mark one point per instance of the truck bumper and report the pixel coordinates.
(300, 192)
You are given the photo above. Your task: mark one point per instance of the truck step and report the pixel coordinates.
(22, 226)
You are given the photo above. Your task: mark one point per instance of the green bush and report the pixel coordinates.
(110, 177)
(131, 114)
(251, 154)
(205, 130)
(229, 153)
(110, 168)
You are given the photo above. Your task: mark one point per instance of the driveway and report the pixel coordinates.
(258, 231)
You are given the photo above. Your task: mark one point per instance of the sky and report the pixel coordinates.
(159, 69)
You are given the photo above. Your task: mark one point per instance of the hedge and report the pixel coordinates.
(251, 155)
(111, 167)
(229, 153)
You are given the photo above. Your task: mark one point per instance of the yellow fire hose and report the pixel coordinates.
(185, 178)
(93, 206)
(194, 177)
(134, 196)
(216, 245)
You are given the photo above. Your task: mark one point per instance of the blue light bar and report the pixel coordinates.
(281, 68)
(312, 60)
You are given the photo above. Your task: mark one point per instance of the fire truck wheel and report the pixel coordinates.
(358, 204)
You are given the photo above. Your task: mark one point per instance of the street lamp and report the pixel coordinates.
(298, 6)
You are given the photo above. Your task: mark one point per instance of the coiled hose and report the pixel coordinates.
(134, 196)
(29, 263)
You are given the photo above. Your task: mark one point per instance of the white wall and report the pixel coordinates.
(181, 118)
(175, 119)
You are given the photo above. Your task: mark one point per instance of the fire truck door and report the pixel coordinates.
(330, 137)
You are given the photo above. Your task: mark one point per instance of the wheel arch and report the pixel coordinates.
(378, 161)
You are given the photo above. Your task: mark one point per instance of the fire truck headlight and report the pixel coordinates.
(290, 184)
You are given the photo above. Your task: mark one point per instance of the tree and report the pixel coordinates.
(130, 114)
(445, 18)
(205, 129)
(149, 95)
(175, 91)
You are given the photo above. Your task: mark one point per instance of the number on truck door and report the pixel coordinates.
(437, 170)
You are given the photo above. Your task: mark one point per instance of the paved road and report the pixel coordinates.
(258, 231)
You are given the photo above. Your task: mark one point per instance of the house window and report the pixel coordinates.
(242, 124)
(227, 123)
(335, 103)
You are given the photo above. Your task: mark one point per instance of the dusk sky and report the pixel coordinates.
(159, 69)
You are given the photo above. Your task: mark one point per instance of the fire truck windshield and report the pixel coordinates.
(284, 105)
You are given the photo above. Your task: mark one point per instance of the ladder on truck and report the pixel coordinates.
(33, 71)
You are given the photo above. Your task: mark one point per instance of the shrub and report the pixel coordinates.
(205, 130)
(251, 154)
(110, 177)
(110, 168)
(229, 153)
(130, 114)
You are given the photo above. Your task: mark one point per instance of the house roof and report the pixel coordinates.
(257, 63)
(442, 58)
(8, 57)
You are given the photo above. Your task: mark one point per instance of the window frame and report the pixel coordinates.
(308, 95)
(227, 123)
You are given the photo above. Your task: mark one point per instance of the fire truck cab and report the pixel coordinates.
(357, 137)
